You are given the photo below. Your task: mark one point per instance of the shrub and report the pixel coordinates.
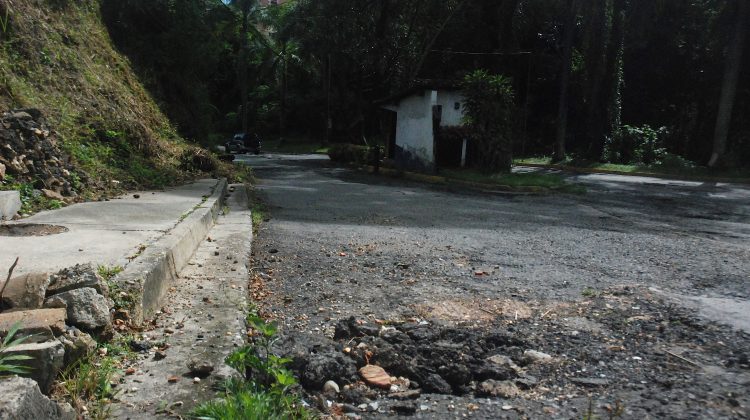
(674, 162)
(195, 159)
(635, 145)
(349, 153)
(489, 114)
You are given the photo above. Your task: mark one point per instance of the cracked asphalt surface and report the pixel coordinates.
(340, 243)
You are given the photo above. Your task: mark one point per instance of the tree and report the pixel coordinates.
(249, 13)
(567, 58)
(489, 115)
(729, 84)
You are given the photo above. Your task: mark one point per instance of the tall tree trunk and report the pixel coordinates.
(243, 63)
(284, 57)
(562, 106)
(596, 68)
(614, 72)
(729, 85)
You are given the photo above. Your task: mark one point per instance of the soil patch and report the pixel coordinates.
(31, 229)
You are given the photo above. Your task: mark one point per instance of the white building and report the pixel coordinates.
(418, 113)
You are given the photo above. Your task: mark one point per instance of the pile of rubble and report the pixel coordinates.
(60, 314)
(403, 361)
(29, 154)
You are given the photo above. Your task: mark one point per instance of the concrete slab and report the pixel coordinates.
(10, 204)
(105, 232)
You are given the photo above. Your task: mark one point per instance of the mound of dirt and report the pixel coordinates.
(29, 154)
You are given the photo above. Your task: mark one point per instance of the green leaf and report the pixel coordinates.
(15, 357)
(14, 369)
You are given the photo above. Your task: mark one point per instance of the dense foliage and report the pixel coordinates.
(318, 67)
(489, 113)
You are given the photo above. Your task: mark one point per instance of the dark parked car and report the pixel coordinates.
(243, 143)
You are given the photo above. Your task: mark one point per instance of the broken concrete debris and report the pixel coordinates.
(46, 360)
(26, 291)
(30, 154)
(21, 399)
(57, 313)
(86, 309)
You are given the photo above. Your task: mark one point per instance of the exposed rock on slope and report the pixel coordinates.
(29, 153)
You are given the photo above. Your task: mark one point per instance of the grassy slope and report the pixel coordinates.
(56, 55)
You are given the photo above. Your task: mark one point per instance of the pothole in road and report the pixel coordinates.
(599, 349)
(31, 229)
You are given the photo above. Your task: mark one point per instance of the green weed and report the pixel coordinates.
(32, 200)
(265, 391)
(87, 384)
(123, 299)
(259, 211)
(4, 20)
(109, 272)
(589, 293)
(7, 365)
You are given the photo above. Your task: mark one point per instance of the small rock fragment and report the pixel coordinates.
(375, 376)
(331, 387)
(533, 356)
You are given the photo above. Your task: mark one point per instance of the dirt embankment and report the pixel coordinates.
(56, 56)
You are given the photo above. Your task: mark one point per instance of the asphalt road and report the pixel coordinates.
(686, 238)
(625, 266)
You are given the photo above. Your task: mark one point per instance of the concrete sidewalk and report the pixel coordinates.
(103, 232)
(152, 236)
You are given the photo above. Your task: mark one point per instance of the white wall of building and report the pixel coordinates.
(414, 127)
(448, 100)
(414, 135)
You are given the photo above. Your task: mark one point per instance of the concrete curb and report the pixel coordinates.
(149, 276)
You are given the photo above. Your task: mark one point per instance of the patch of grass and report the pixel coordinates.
(589, 292)
(32, 200)
(258, 210)
(265, 391)
(524, 180)
(87, 384)
(672, 165)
